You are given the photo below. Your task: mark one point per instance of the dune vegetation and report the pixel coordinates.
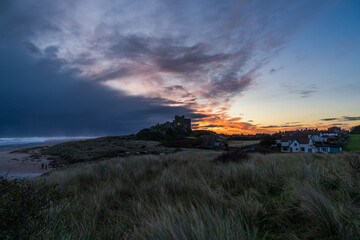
(188, 195)
(102, 148)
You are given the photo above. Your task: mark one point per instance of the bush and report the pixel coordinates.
(355, 130)
(232, 156)
(21, 203)
(267, 141)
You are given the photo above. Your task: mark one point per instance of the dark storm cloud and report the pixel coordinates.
(328, 119)
(59, 55)
(19, 19)
(303, 92)
(213, 126)
(270, 126)
(282, 126)
(307, 93)
(36, 98)
(32, 47)
(167, 54)
(229, 85)
(346, 118)
(274, 70)
(187, 59)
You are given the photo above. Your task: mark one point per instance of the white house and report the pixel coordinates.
(297, 144)
(306, 144)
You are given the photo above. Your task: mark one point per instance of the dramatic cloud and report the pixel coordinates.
(42, 100)
(274, 70)
(283, 126)
(346, 118)
(116, 66)
(329, 119)
(340, 119)
(300, 89)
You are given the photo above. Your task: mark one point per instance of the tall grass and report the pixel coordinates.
(186, 195)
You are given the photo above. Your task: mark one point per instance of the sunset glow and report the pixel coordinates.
(237, 67)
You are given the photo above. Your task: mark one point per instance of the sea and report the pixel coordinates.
(23, 142)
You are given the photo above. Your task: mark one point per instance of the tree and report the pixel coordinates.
(355, 130)
(267, 141)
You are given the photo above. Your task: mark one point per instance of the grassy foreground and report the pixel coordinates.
(186, 195)
(353, 143)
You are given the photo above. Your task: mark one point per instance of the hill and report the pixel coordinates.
(101, 148)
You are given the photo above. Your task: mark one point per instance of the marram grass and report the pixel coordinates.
(186, 195)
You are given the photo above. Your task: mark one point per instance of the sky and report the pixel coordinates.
(106, 67)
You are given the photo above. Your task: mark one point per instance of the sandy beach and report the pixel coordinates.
(22, 165)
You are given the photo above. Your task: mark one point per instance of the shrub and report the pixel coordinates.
(232, 156)
(21, 203)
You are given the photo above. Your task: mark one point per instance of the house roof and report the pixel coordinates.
(303, 140)
(300, 139)
(287, 138)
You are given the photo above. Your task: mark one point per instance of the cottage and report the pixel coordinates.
(311, 141)
(296, 144)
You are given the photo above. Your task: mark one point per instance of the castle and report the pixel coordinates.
(182, 122)
(179, 123)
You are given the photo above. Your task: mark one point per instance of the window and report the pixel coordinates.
(295, 144)
(324, 149)
(285, 148)
(302, 149)
(297, 149)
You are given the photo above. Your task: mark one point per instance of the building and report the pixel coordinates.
(182, 122)
(308, 145)
(211, 141)
(328, 148)
(297, 144)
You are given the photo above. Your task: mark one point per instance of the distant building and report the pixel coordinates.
(328, 148)
(307, 144)
(211, 141)
(180, 123)
(297, 144)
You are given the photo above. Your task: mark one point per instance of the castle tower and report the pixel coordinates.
(182, 122)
